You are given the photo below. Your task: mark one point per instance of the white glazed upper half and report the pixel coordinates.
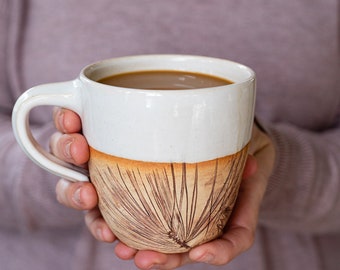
(167, 125)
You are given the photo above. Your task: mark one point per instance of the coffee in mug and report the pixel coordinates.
(164, 80)
(166, 165)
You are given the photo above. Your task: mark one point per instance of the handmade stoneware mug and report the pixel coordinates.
(166, 164)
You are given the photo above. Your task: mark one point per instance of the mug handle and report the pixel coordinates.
(63, 94)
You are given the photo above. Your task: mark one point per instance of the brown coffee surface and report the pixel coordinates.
(164, 80)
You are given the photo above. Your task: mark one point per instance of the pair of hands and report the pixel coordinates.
(69, 145)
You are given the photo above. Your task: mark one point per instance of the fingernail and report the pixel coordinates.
(207, 258)
(154, 267)
(76, 197)
(67, 148)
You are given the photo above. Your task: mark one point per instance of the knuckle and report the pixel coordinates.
(60, 146)
(61, 191)
(53, 143)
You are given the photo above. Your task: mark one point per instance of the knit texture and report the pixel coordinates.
(293, 46)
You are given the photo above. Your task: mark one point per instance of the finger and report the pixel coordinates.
(241, 228)
(66, 121)
(250, 167)
(98, 227)
(125, 252)
(146, 259)
(72, 148)
(238, 238)
(221, 251)
(77, 195)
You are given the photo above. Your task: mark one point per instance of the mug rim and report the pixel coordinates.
(107, 63)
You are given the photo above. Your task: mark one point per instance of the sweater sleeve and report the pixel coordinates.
(303, 192)
(27, 193)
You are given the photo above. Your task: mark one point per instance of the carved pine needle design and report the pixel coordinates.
(168, 207)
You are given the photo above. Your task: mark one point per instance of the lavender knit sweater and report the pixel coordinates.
(293, 46)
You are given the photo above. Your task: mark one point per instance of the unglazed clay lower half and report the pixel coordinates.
(166, 207)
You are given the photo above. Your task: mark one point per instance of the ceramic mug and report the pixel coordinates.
(166, 164)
